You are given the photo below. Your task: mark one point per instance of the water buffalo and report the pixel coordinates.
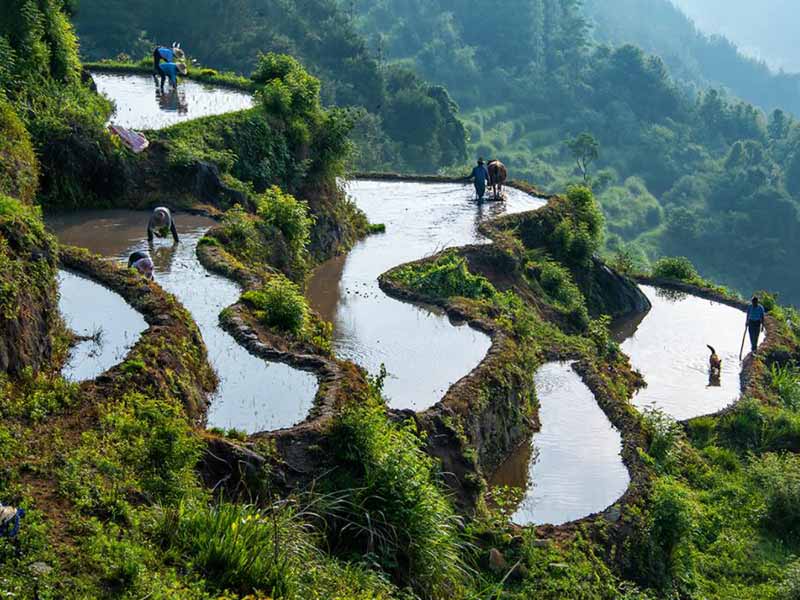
(497, 177)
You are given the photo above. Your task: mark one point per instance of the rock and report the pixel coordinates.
(613, 514)
(40, 569)
(497, 562)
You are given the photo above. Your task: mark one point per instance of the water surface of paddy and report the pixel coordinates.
(423, 351)
(140, 104)
(253, 395)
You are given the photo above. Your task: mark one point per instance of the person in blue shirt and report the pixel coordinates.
(755, 322)
(170, 70)
(480, 176)
(167, 55)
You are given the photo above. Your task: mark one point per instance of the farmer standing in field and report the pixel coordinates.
(480, 175)
(755, 321)
(161, 224)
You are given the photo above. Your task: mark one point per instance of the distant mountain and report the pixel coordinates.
(766, 29)
(696, 58)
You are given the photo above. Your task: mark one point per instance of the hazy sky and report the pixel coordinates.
(767, 29)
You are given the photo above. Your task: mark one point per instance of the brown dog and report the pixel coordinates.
(714, 363)
(497, 177)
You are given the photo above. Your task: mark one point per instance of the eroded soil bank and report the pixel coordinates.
(423, 350)
(253, 395)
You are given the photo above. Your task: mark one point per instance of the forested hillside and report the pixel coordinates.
(765, 29)
(700, 174)
(407, 123)
(696, 58)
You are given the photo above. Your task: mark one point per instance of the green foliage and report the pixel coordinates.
(680, 268)
(289, 216)
(778, 477)
(279, 304)
(142, 445)
(18, 166)
(448, 276)
(238, 547)
(585, 150)
(287, 89)
(387, 502)
(785, 380)
(579, 232)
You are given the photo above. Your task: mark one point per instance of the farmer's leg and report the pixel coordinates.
(755, 331)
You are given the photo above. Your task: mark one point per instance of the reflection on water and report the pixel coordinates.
(142, 105)
(669, 346)
(573, 466)
(253, 395)
(91, 310)
(423, 352)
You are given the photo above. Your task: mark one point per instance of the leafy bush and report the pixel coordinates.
(448, 276)
(387, 502)
(288, 215)
(279, 304)
(579, 232)
(673, 518)
(778, 477)
(664, 433)
(679, 268)
(288, 90)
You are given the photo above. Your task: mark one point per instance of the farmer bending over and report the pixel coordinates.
(141, 261)
(480, 175)
(167, 55)
(755, 322)
(170, 70)
(160, 224)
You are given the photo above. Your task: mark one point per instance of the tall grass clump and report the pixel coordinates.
(240, 548)
(279, 304)
(388, 505)
(785, 380)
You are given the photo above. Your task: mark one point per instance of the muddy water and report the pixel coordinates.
(140, 103)
(423, 351)
(253, 395)
(668, 346)
(113, 326)
(572, 467)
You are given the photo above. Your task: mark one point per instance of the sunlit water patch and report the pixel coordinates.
(423, 351)
(109, 326)
(253, 395)
(140, 103)
(572, 467)
(669, 346)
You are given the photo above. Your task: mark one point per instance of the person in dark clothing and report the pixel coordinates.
(479, 177)
(755, 322)
(161, 224)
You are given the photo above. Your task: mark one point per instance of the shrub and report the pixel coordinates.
(673, 517)
(664, 433)
(680, 268)
(290, 216)
(279, 303)
(557, 282)
(389, 504)
(287, 89)
(19, 175)
(448, 276)
(778, 477)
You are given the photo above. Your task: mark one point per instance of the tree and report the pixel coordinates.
(585, 149)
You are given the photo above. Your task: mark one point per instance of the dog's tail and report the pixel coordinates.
(711, 348)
